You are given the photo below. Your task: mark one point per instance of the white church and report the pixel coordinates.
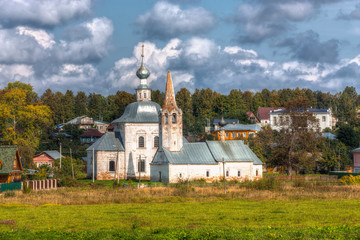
(148, 143)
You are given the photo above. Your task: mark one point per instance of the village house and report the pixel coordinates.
(263, 114)
(237, 131)
(90, 136)
(10, 164)
(84, 122)
(46, 158)
(356, 157)
(252, 117)
(280, 119)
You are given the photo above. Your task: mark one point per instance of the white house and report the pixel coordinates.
(280, 119)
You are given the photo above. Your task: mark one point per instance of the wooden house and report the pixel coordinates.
(10, 164)
(46, 157)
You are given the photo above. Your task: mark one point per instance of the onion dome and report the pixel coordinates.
(142, 72)
(222, 122)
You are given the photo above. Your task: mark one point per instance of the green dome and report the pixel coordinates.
(142, 72)
(140, 112)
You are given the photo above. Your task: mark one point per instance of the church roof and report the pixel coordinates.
(140, 112)
(232, 151)
(108, 142)
(210, 152)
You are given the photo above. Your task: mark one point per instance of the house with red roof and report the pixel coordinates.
(263, 114)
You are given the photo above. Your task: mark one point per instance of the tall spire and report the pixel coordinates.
(143, 92)
(170, 102)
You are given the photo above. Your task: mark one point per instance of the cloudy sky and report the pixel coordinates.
(95, 46)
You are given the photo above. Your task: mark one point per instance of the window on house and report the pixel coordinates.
(139, 95)
(324, 118)
(233, 135)
(275, 121)
(244, 134)
(180, 175)
(166, 118)
(239, 174)
(144, 95)
(257, 172)
(227, 135)
(287, 120)
(174, 118)
(227, 173)
(141, 142)
(156, 141)
(207, 173)
(159, 176)
(281, 120)
(112, 166)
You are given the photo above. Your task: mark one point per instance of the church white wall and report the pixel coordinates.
(133, 151)
(102, 164)
(176, 172)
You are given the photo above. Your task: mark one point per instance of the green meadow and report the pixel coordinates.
(178, 218)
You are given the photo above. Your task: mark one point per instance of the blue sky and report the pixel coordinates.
(95, 46)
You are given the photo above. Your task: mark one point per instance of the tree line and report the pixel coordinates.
(27, 119)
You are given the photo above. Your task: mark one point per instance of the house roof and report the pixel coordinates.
(216, 121)
(329, 135)
(51, 153)
(321, 110)
(108, 142)
(247, 127)
(356, 150)
(140, 112)
(7, 157)
(210, 152)
(91, 133)
(264, 112)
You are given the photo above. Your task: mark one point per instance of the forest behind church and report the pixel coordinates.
(27, 119)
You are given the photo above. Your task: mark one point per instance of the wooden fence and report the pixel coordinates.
(41, 184)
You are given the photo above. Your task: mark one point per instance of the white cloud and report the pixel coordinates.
(43, 38)
(168, 20)
(41, 13)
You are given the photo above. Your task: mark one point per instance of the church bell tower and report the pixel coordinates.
(171, 120)
(143, 92)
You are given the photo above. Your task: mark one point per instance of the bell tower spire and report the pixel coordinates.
(143, 92)
(171, 120)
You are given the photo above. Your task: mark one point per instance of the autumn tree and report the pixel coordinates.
(22, 120)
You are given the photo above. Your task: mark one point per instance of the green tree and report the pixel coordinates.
(184, 102)
(80, 107)
(158, 97)
(122, 99)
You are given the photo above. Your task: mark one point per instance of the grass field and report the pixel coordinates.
(100, 212)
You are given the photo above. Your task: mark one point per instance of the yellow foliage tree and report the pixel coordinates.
(21, 120)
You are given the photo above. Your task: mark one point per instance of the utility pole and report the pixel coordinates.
(224, 175)
(60, 155)
(93, 164)
(72, 166)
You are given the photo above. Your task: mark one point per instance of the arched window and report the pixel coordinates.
(166, 118)
(139, 95)
(144, 95)
(174, 118)
(156, 141)
(257, 172)
(112, 166)
(141, 142)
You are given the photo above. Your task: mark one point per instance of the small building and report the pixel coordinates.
(46, 158)
(90, 136)
(263, 114)
(252, 117)
(84, 122)
(356, 156)
(101, 126)
(237, 131)
(10, 164)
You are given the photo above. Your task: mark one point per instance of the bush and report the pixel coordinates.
(182, 187)
(350, 179)
(26, 189)
(9, 194)
(269, 183)
(68, 182)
